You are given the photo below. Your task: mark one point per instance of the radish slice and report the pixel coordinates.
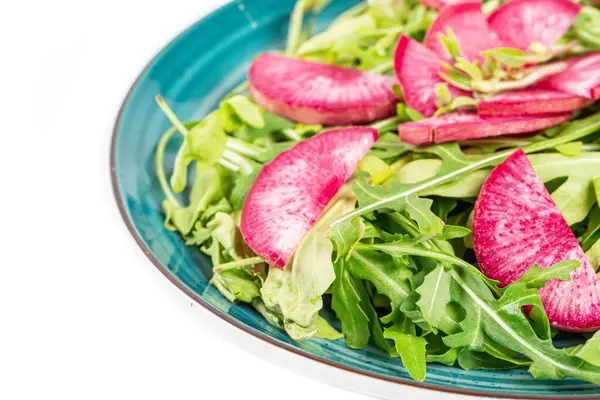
(465, 126)
(439, 4)
(518, 23)
(469, 25)
(531, 101)
(515, 225)
(315, 93)
(582, 77)
(291, 192)
(417, 69)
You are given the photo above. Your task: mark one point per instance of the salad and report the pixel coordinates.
(429, 171)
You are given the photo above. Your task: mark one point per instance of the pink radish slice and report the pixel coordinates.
(292, 191)
(439, 4)
(515, 225)
(417, 69)
(465, 126)
(582, 77)
(531, 101)
(518, 23)
(315, 93)
(470, 27)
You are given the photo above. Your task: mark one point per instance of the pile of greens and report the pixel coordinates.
(393, 251)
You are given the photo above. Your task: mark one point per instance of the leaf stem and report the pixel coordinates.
(244, 165)
(246, 262)
(246, 149)
(229, 165)
(295, 28)
(170, 114)
(160, 166)
(291, 134)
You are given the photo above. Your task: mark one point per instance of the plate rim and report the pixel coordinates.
(225, 317)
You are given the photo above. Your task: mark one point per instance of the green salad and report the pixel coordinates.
(436, 183)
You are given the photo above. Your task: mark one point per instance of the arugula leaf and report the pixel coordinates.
(536, 277)
(346, 302)
(326, 331)
(205, 144)
(380, 271)
(590, 351)
(376, 168)
(410, 347)
(345, 236)
(419, 210)
(237, 285)
(469, 359)
(435, 294)
(207, 189)
(271, 317)
(375, 327)
(238, 110)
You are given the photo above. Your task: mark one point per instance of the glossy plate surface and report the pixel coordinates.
(193, 73)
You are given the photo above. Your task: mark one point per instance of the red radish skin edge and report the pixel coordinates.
(516, 225)
(461, 126)
(291, 192)
(531, 102)
(582, 77)
(417, 69)
(316, 93)
(470, 27)
(518, 23)
(439, 4)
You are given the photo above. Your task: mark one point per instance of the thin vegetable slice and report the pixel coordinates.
(464, 126)
(469, 25)
(417, 69)
(531, 102)
(291, 192)
(519, 23)
(516, 225)
(315, 93)
(582, 77)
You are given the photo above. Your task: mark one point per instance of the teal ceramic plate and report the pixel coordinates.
(193, 72)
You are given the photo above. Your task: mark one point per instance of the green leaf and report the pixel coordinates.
(450, 43)
(448, 358)
(419, 210)
(593, 254)
(590, 351)
(381, 272)
(435, 294)
(442, 94)
(346, 302)
(205, 144)
(271, 317)
(413, 114)
(575, 197)
(469, 359)
(206, 190)
(237, 285)
(511, 57)
(455, 77)
(245, 110)
(536, 277)
(326, 331)
(596, 181)
(412, 351)
(471, 69)
(241, 188)
(345, 236)
(453, 232)
(376, 168)
(572, 149)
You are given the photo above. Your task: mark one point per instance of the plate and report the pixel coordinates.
(193, 73)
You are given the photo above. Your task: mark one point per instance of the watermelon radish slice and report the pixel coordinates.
(515, 225)
(518, 23)
(470, 27)
(439, 4)
(582, 77)
(417, 69)
(464, 126)
(315, 93)
(531, 101)
(291, 192)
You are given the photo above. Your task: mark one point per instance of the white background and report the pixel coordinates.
(83, 313)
